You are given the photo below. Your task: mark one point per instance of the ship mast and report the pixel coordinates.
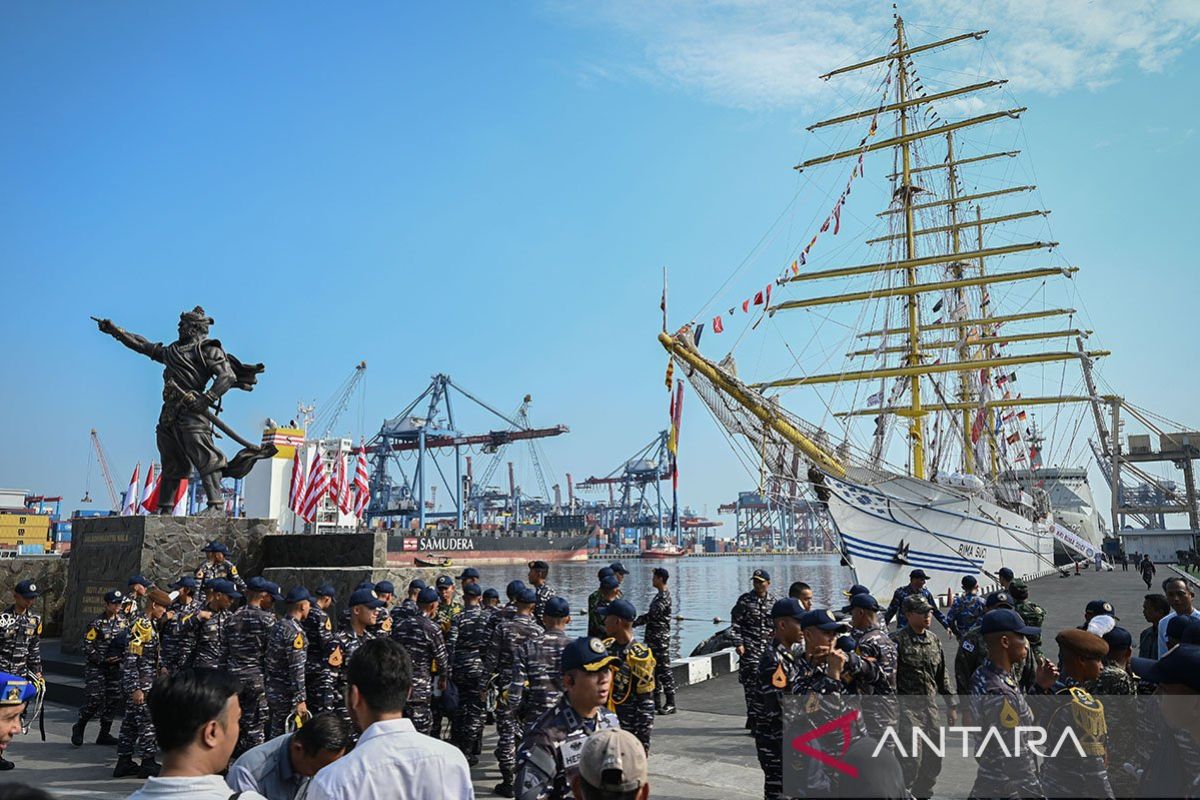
(964, 379)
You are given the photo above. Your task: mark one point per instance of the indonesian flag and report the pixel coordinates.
(150, 489)
(296, 490)
(339, 490)
(317, 488)
(362, 485)
(129, 507)
(150, 501)
(181, 499)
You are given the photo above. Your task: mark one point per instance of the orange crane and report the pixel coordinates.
(105, 471)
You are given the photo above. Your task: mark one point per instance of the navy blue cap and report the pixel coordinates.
(215, 547)
(788, 607)
(385, 587)
(1005, 572)
(618, 608)
(27, 589)
(1118, 639)
(186, 582)
(603, 572)
(365, 597)
(661, 572)
(1095, 607)
(527, 595)
(326, 590)
(587, 653)
(473, 590)
(444, 581)
(618, 568)
(1191, 635)
(297, 594)
(272, 588)
(427, 595)
(138, 580)
(491, 594)
(469, 572)
(1179, 665)
(513, 587)
(113, 597)
(367, 584)
(257, 584)
(857, 588)
(1005, 620)
(557, 607)
(863, 600)
(970, 581)
(1176, 625)
(15, 690)
(823, 619)
(761, 575)
(998, 599)
(609, 582)
(416, 585)
(224, 586)
(918, 573)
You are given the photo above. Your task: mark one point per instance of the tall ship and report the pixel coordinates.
(921, 442)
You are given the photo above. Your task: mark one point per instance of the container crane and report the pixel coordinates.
(332, 409)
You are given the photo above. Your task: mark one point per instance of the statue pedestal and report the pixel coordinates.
(107, 551)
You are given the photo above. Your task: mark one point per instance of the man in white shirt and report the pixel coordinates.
(195, 714)
(392, 761)
(1179, 597)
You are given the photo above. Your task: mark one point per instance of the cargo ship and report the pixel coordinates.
(482, 548)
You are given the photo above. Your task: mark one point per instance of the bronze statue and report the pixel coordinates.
(190, 406)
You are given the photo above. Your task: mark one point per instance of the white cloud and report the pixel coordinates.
(768, 53)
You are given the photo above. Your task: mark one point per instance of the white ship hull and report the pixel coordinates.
(899, 524)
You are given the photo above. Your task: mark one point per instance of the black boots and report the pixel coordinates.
(105, 737)
(505, 787)
(150, 768)
(77, 732)
(669, 706)
(5, 764)
(125, 768)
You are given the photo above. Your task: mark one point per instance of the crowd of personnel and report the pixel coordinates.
(465, 661)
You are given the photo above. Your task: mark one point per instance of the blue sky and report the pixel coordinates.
(492, 190)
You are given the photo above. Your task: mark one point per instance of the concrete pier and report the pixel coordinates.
(701, 753)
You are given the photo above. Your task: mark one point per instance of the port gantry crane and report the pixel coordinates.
(485, 499)
(647, 468)
(435, 430)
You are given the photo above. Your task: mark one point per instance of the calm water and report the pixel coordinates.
(701, 588)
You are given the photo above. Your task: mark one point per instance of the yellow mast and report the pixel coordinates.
(964, 379)
(915, 414)
(983, 312)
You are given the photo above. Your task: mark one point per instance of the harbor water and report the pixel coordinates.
(701, 588)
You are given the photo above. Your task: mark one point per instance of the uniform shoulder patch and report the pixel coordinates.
(386, 625)
(91, 635)
(968, 645)
(335, 657)
(328, 624)
(298, 643)
(232, 569)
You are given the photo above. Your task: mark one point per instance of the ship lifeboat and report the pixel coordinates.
(433, 560)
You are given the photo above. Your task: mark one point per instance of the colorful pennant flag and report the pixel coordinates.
(129, 507)
(718, 325)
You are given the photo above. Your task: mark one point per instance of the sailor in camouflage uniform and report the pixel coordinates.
(217, 566)
(538, 572)
(246, 636)
(103, 649)
(633, 673)
(871, 668)
(172, 631)
(778, 671)
(205, 636)
(507, 639)
(608, 589)
(921, 673)
(550, 752)
(966, 609)
(1115, 680)
(422, 638)
(345, 643)
(916, 586)
(21, 634)
(537, 677)
(138, 670)
(749, 631)
(408, 606)
(465, 645)
(448, 609)
(997, 702)
(657, 620)
(972, 650)
(385, 591)
(133, 603)
(287, 652)
(1033, 614)
(318, 631)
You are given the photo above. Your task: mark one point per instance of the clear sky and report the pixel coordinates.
(491, 190)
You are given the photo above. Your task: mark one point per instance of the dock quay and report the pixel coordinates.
(700, 753)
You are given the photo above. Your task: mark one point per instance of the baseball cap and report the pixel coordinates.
(469, 572)
(365, 597)
(138, 580)
(325, 590)
(618, 608)
(113, 597)
(998, 599)
(613, 761)
(969, 581)
(918, 573)
(609, 582)
(186, 582)
(385, 587)
(369, 585)
(864, 601)
(297, 594)
(513, 587)
(557, 607)
(916, 603)
(15, 690)
(527, 595)
(225, 587)
(823, 619)
(444, 581)
(491, 594)
(604, 571)
(215, 547)
(586, 653)
(472, 590)
(618, 568)
(761, 575)
(1176, 625)
(27, 589)
(416, 585)
(1118, 639)
(1191, 635)
(427, 595)
(857, 588)
(661, 572)
(1100, 607)
(1179, 665)
(788, 607)
(1005, 572)
(272, 588)
(1006, 620)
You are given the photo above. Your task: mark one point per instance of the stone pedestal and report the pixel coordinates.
(107, 551)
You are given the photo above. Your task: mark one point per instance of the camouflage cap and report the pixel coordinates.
(917, 604)
(1019, 589)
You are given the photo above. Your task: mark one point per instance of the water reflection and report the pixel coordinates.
(701, 588)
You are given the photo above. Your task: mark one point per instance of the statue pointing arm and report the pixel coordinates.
(133, 341)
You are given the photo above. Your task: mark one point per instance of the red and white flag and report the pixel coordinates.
(317, 488)
(180, 508)
(339, 489)
(150, 489)
(362, 484)
(296, 491)
(150, 501)
(129, 507)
